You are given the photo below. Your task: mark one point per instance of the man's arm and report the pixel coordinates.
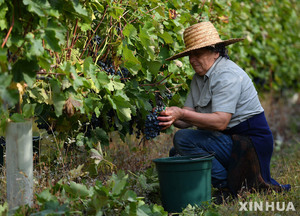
(182, 124)
(211, 121)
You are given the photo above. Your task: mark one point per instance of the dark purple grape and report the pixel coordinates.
(152, 127)
(169, 96)
(123, 73)
(97, 40)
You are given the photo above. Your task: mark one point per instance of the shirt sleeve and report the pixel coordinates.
(226, 90)
(189, 101)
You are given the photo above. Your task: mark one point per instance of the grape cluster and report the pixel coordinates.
(106, 123)
(152, 127)
(109, 68)
(10, 56)
(94, 123)
(124, 73)
(97, 40)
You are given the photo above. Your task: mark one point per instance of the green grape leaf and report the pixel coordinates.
(129, 31)
(102, 136)
(122, 106)
(53, 207)
(58, 98)
(117, 85)
(52, 40)
(5, 80)
(78, 8)
(58, 102)
(131, 62)
(167, 37)
(3, 21)
(17, 117)
(44, 62)
(28, 110)
(45, 196)
(130, 196)
(79, 190)
(124, 113)
(145, 38)
(37, 7)
(116, 12)
(104, 81)
(60, 31)
(119, 183)
(36, 46)
(153, 67)
(98, 6)
(10, 96)
(3, 56)
(24, 70)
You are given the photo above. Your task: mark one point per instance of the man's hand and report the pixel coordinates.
(169, 116)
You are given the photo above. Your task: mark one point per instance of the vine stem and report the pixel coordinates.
(74, 39)
(87, 44)
(210, 6)
(74, 34)
(10, 28)
(56, 74)
(144, 14)
(143, 139)
(157, 83)
(176, 86)
(203, 3)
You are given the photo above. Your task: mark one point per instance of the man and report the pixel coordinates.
(222, 101)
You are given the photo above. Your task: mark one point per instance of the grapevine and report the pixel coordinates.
(109, 58)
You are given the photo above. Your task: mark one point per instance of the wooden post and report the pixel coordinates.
(19, 164)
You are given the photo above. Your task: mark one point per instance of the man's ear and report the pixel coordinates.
(217, 54)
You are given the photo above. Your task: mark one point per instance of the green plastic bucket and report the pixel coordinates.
(184, 180)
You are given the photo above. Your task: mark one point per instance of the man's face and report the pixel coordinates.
(202, 59)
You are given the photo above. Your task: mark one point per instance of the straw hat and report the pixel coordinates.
(201, 35)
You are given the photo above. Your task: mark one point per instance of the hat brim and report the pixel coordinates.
(187, 51)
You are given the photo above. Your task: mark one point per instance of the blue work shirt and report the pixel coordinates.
(224, 88)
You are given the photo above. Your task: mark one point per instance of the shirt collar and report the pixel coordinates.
(209, 72)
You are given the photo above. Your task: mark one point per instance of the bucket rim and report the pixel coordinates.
(184, 159)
